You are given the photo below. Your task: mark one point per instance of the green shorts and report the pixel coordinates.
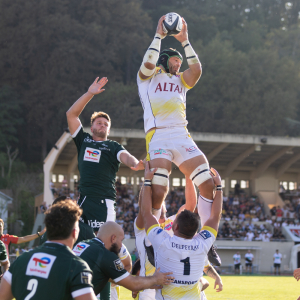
(96, 211)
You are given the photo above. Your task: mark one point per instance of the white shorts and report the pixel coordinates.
(174, 144)
(147, 294)
(115, 292)
(203, 296)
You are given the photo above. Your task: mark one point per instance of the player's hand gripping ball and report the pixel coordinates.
(172, 25)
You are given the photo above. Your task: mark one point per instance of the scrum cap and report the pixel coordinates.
(164, 57)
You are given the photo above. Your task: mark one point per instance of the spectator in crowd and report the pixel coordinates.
(51, 185)
(43, 207)
(277, 262)
(7, 239)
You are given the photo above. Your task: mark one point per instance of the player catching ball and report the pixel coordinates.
(162, 89)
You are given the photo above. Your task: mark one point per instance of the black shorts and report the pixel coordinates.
(249, 264)
(277, 265)
(96, 211)
(237, 266)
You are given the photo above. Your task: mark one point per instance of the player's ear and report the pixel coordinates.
(113, 239)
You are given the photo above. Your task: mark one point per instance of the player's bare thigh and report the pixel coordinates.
(159, 192)
(188, 166)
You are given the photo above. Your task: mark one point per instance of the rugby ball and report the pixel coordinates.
(172, 25)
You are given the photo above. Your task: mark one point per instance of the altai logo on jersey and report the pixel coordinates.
(40, 265)
(168, 87)
(92, 155)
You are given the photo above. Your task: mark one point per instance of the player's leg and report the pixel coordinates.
(159, 156)
(160, 181)
(197, 168)
(105, 293)
(202, 178)
(278, 269)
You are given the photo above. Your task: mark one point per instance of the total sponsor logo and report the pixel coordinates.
(40, 264)
(43, 262)
(92, 155)
(80, 248)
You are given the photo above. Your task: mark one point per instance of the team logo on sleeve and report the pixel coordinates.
(158, 231)
(79, 248)
(91, 154)
(205, 234)
(118, 265)
(86, 277)
(40, 265)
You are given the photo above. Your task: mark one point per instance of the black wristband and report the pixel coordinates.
(38, 234)
(147, 182)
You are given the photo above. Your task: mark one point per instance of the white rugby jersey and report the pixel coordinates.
(163, 97)
(123, 252)
(147, 269)
(185, 258)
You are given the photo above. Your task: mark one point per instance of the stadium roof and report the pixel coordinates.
(226, 152)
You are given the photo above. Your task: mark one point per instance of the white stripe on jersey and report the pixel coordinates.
(163, 97)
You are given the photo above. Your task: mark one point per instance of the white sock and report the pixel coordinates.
(204, 209)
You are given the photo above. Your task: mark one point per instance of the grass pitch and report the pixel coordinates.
(248, 287)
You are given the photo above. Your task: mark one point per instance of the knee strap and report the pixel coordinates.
(200, 174)
(161, 177)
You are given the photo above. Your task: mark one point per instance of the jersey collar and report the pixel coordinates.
(98, 240)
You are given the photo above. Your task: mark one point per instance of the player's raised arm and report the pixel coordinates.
(193, 73)
(146, 203)
(76, 109)
(139, 222)
(147, 68)
(216, 209)
(190, 194)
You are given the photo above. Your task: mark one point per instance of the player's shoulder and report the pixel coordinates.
(205, 233)
(108, 257)
(2, 245)
(156, 233)
(158, 70)
(112, 144)
(79, 263)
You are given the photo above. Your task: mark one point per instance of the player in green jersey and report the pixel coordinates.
(98, 160)
(4, 261)
(85, 231)
(51, 271)
(101, 254)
